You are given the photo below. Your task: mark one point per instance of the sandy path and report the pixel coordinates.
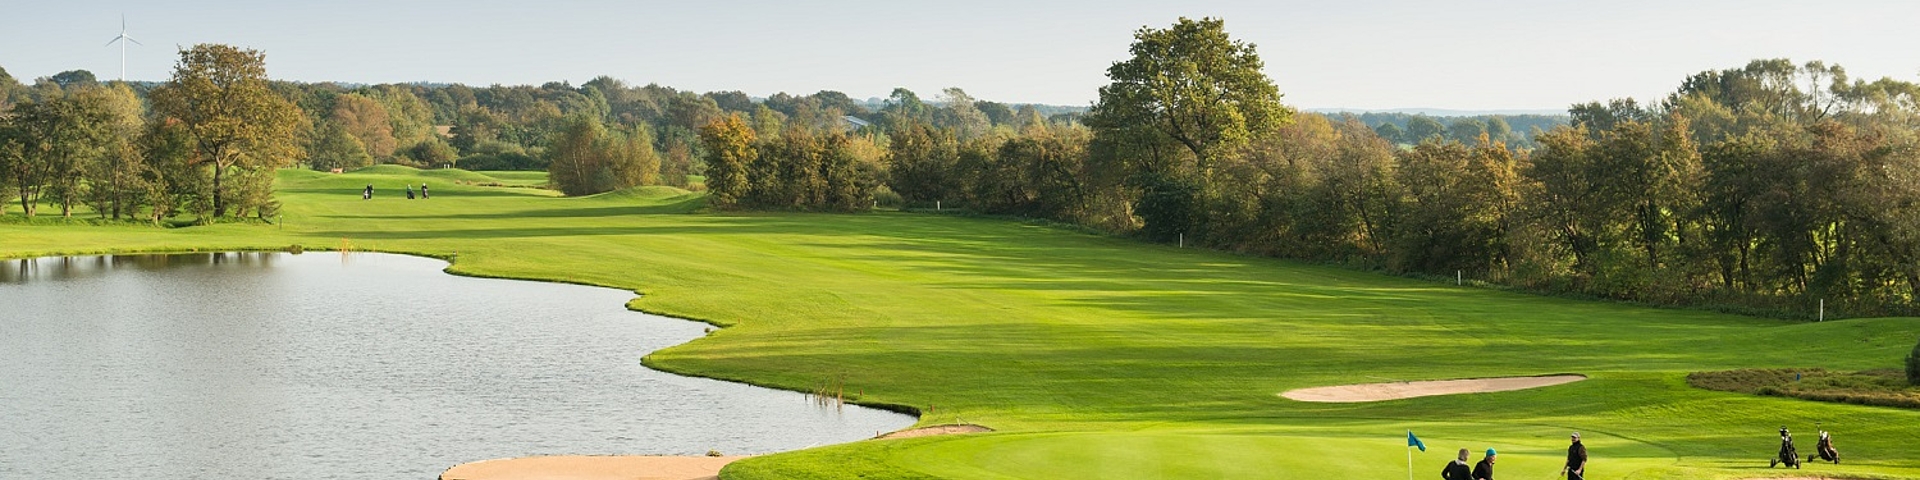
(592, 467)
(1374, 392)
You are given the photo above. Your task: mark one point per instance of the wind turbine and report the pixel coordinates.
(123, 46)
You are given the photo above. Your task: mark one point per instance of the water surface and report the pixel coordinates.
(271, 365)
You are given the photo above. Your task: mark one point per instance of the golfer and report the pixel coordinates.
(1457, 469)
(368, 193)
(1576, 460)
(423, 191)
(1484, 469)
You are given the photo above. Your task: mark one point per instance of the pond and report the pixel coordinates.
(323, 365)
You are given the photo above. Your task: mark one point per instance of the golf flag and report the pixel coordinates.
(1413, 441)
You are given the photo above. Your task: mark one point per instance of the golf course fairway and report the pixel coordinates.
(1098, 357)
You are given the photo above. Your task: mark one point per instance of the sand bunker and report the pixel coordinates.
(592, 467)
(1375, 392)
(936, 430)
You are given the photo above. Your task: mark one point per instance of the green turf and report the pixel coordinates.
(521, 178)
(1106, 358)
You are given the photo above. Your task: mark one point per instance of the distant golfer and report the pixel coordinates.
(368, 193)
(1484, 469)
(409, 191)
(1576, 460)
(1457, 469)
(423, 191)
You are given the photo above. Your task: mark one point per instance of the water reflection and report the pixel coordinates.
(271, 365)
(69, 268)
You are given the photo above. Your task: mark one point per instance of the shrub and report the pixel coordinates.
(1884, 387)
(1913, 366)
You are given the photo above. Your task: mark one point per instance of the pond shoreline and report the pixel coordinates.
(452, 269)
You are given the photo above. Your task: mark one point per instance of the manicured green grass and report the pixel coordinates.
(1098, 357)
(514, 177)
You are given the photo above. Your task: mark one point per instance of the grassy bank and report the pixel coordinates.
(1099, 357)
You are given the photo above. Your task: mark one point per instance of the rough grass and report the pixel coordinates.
(1096, 357)
(1881, 387)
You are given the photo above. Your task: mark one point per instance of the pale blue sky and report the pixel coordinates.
(1538, 54)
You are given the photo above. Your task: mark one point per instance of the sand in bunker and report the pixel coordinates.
(592, 467)
(1375, 392)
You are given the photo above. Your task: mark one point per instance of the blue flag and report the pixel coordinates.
(1413, 441)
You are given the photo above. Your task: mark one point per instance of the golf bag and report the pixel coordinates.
(1824, 450)
(1788, 455)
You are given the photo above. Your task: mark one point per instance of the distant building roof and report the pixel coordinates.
(855, 123)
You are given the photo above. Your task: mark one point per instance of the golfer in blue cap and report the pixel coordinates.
(1484, 469)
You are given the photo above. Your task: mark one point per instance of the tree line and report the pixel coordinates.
(600, 136)
(206, 142)
(1516, 131)
(1771, 188)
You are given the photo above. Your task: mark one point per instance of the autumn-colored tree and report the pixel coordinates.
(410, 117)
(730, 151)
(367, 121)
(220, 95)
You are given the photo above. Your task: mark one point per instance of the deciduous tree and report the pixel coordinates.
(729, 146)
(220, 95)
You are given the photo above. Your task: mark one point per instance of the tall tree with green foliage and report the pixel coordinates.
(51, 144)
(1390, 132)
(220, 94)
(1192, 84)
(902, 108)
(332, 146)
(585, 158)
(11, 91)
(1193, 88)
(410, 118)
(116, 178)
(967, 120)
(1422, 128)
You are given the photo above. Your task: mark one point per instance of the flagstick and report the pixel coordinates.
(1409, 457)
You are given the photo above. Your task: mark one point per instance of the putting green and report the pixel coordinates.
(1096, 357)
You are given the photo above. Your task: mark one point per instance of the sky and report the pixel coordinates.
(1468, 55)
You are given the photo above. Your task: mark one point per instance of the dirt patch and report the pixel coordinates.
(592, 467)
(936, 430)
(1375, 392)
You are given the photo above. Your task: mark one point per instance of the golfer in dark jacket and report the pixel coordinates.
(1457, 469)
(1484, 469)
(1576, 459)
